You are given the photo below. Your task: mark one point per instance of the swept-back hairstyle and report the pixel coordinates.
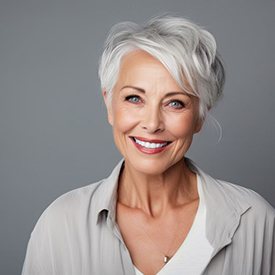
(188, 52)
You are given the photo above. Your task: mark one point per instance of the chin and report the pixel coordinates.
(150, 166)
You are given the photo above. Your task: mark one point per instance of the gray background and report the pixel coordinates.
(53, 131)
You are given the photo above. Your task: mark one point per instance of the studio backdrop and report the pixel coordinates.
(54, 134)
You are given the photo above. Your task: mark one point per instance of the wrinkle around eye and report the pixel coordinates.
(176, 105)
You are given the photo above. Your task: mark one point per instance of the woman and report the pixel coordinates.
(157, 213)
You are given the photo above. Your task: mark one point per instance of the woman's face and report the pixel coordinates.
(153, 119)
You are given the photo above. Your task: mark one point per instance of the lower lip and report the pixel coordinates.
(149, 151)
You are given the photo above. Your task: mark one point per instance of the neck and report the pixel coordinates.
(157, 194)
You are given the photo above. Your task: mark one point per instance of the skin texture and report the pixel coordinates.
(157, 193)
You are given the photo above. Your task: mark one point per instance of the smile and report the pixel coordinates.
(150, 146)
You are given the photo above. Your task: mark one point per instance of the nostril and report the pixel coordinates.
(152, 129)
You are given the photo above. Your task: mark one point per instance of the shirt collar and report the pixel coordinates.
(106, 194)
(223, 209)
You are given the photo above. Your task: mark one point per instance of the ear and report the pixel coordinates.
(108, 106)
(199, 124)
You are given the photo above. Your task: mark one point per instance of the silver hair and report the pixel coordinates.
(188, 51)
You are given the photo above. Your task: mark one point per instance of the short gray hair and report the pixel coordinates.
(188, 51)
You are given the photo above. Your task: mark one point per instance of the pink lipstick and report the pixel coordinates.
(150, 146)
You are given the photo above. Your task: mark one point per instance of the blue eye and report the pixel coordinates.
(176, 104)
(133, 99)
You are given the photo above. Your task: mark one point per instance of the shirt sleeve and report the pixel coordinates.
(55, 246)
(39, 257)
(269, 244)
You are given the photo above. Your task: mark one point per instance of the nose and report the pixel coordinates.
(152, 120)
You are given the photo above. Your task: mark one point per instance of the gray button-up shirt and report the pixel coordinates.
(77, 234)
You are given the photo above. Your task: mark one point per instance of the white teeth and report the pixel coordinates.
(149, 144)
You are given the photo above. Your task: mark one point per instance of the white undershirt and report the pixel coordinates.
(195, 252)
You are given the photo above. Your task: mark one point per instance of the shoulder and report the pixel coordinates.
(71, 207)
(240, 195)
(239, 199)
(80, 206)
(61, 231)
(75, 198)
(226, 195)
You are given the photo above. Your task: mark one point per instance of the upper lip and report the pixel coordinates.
(151, 140)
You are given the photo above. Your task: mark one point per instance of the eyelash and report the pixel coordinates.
(182, 105)
(131, 97)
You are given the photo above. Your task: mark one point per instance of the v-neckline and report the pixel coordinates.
(196, 220)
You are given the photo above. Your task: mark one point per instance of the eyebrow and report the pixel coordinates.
(143, 91)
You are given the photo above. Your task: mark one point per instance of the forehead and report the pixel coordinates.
(138, 57)
(140, 60)
(141, 68)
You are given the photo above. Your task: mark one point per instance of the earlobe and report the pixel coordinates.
(110, 117)
(105, 96)
(199, 125)
(108, 107)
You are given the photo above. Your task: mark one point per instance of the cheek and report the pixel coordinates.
(182, 126)
(124, 120)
